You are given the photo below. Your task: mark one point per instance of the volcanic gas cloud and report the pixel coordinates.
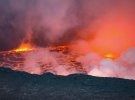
(94, 37)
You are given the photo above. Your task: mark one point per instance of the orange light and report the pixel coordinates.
(110, 55)
(114, 35)
(24, 47)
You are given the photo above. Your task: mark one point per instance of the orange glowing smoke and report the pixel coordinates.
(114, 36)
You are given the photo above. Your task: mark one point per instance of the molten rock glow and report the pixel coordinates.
(64, 62)
(24, 47)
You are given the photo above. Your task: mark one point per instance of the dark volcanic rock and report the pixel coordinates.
(15, 85)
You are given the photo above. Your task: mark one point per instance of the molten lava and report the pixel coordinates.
(110, 55)
(24, 47)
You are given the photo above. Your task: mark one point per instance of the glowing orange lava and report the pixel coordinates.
(110, 55)
(24, 47)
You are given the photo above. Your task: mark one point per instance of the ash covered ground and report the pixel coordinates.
(15, 85)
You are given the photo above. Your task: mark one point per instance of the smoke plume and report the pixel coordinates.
(50, 22)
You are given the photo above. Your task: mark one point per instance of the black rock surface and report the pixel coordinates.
(15, 85)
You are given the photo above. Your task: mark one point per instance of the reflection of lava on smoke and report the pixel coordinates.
(94, 37)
